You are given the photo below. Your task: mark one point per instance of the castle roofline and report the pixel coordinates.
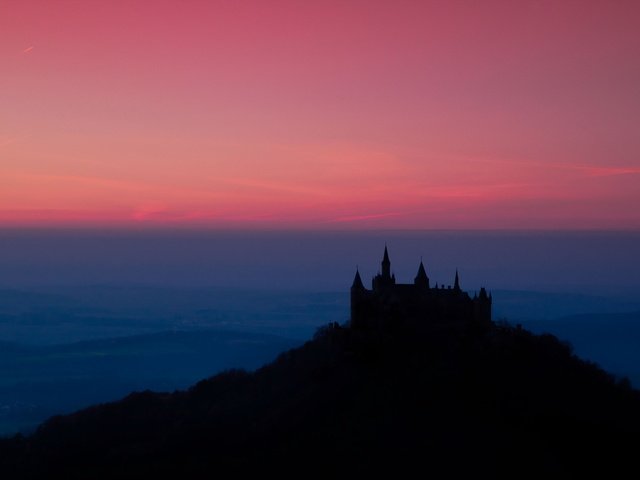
(357, 281)
(421, 277)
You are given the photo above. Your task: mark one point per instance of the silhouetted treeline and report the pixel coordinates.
(500, 402)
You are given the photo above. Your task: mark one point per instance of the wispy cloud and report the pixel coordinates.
(264, 184)
(588, 170)
(609, 171)
(373, 216)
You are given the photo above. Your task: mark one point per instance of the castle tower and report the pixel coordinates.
(456, 284)
(358, 301)
(357, 282)
(385, 278)
(482, 307)
(386, 264)
(421, 279)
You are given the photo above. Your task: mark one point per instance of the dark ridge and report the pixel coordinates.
(489, 402)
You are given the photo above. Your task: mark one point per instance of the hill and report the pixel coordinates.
(38, 381)
(497, 402)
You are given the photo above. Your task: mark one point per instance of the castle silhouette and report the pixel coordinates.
(389, 303)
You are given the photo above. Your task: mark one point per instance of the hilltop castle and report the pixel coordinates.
(389, 302)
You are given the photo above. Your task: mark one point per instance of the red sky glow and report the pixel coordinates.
(320, 114)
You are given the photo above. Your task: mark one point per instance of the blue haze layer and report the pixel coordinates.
(579, 262)
(87, 316)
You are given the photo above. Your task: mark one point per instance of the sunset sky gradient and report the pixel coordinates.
(320, 114)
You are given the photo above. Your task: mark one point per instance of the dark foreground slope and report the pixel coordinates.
(497, 403)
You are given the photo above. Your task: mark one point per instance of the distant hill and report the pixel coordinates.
(611, 338)
(37, 381)
(533, 305)
(500, 402)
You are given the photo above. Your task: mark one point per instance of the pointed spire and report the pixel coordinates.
(357, 281)
(386, 264)
(456, 284)
(421, 271)
(421, 278)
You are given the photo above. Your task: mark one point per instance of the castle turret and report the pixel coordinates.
(357, 282)
(386, 264)
(384, 279)
(482, 308)
(358, 301)
(421, 279)
(456, 284)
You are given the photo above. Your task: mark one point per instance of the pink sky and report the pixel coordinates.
(331, 115)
